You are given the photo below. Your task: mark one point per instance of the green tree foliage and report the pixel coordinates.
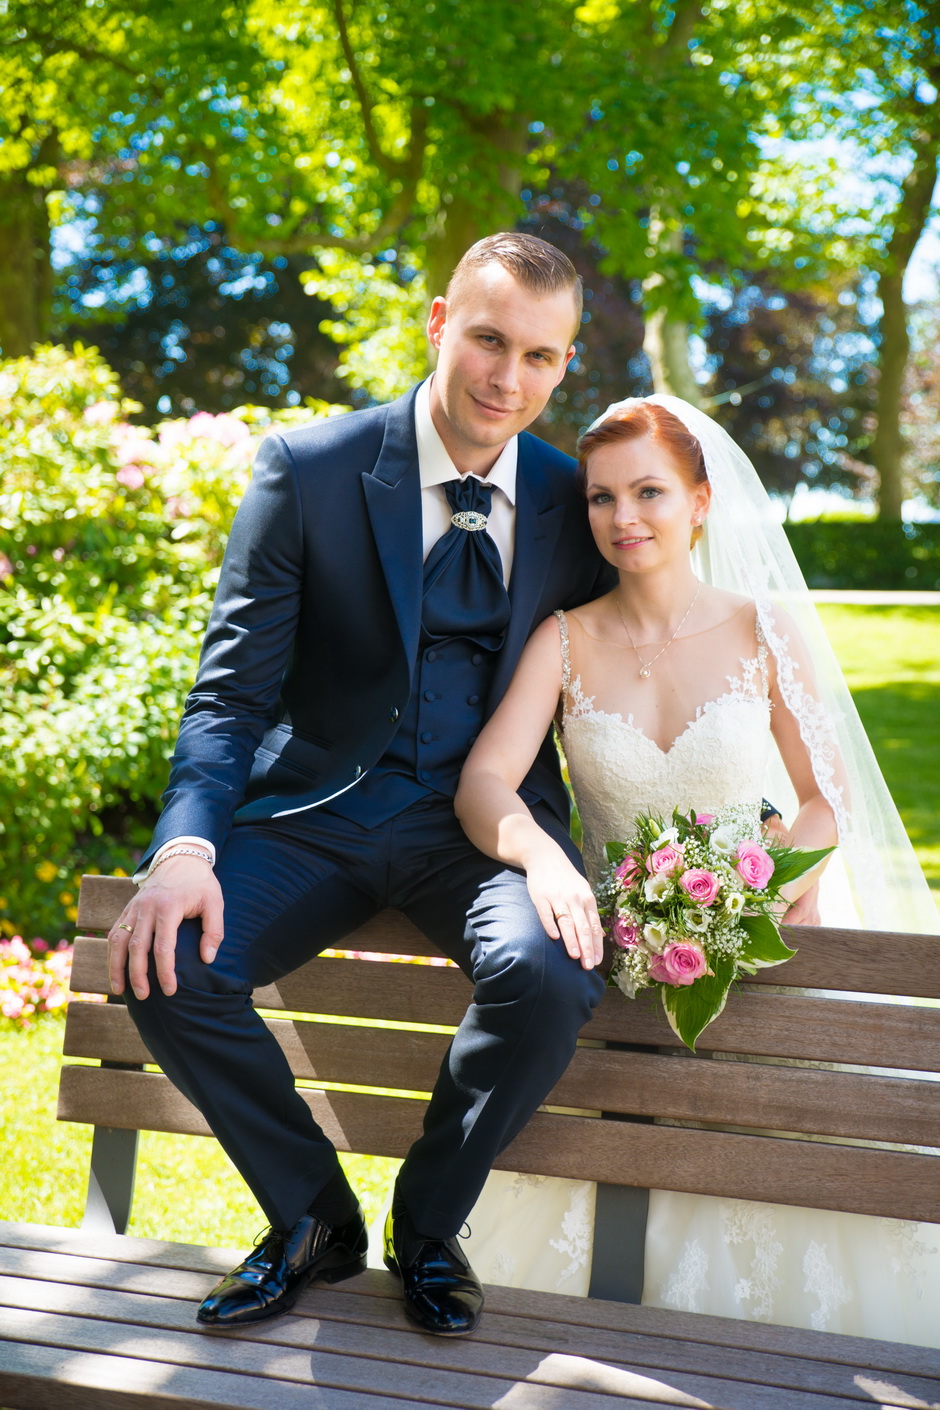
(96, 94)
(111, 536)
(866, 77)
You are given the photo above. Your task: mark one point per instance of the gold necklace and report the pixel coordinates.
(647, 666)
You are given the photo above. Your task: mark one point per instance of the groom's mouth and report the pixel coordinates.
(490, 410)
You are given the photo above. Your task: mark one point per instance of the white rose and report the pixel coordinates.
(657, 886)
(667, 837)
(656, 937)
(723, 841)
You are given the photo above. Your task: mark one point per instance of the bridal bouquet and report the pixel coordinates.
(692, 905)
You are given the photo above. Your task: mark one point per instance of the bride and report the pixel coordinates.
(704, 678)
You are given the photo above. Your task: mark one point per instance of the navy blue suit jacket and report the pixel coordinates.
(310, 651)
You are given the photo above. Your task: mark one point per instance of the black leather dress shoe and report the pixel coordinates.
(442, 1293)
(273, 1276)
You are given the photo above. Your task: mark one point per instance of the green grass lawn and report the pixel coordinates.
(891, 659)
(188, 1190)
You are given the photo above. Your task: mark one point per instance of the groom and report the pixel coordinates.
(383, 574)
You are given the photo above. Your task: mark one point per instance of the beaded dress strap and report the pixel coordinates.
(565, 661)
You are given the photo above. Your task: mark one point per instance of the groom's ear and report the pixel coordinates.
(564, 366)
(436, 320)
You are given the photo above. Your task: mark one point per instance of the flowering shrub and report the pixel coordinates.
(111, 537)
(33, 981)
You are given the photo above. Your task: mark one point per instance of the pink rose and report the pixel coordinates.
(628, 871)
(704, 819)
(680, 963)
(753, 866)
(624, 932)
(703, 886)
(668, 859)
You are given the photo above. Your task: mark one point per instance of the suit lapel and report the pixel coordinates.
(393, 499)
(538, 524)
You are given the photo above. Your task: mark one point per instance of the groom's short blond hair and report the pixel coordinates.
(537, 265)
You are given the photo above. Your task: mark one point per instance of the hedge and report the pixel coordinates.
(871, 554)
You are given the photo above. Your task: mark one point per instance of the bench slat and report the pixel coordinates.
(118, 1261)
(828, 958)
(898, 1184)
(342, 1313)
(773, 1025)
(627, 1364)
(641, 1084)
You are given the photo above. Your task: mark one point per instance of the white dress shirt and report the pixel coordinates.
(435, 468)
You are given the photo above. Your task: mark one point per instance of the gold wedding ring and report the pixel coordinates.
(128, 928)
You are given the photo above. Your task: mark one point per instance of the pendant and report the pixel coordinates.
(644, 674)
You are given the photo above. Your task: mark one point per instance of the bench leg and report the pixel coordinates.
(619, 1243)
(110, 1181)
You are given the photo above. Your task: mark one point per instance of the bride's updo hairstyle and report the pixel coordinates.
(643, 418)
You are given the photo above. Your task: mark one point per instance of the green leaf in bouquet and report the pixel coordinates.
(789, 863)
(764, 945)
(616, 851)
(691, 1008)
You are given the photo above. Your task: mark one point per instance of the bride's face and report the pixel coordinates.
(641, 506)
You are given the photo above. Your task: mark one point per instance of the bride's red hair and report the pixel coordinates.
(645, 418)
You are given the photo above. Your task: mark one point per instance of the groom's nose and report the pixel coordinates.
(504, 374)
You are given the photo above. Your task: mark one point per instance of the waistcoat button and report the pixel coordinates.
(473, 699)
(477, 657)
(430, 695)
(431, 656)
(427, 737)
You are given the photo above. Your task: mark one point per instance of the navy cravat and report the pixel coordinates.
(464, 592)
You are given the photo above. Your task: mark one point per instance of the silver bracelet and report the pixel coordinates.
(179, 852)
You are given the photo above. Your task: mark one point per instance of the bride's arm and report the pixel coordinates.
(496, 819)
(815, 825)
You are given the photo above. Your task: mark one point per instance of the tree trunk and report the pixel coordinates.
(665, 337)
(25, 273)
(894, 345)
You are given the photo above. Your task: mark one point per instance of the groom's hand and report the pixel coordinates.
(181, 888)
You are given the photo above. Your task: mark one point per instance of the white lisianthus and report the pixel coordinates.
(656, 886)
(734, 903)
(669, 837)
(626, 982)
(723, 841)
(696, 919)
(656, 937)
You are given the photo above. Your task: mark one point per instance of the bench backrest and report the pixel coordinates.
(610, 1117)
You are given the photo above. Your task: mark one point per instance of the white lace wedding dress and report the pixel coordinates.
(763, 1262)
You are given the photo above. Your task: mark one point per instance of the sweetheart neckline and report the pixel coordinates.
(701, 712)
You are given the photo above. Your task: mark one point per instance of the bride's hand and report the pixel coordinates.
(567, 909)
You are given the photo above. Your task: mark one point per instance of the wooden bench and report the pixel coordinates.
(92, 1319)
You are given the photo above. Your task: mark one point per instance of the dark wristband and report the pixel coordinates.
(768, 811)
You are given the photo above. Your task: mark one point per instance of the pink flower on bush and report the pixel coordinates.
(668, 859)
(624, 932)
(703, 886)
(704, 819)
(754, 866)
(680, 963)
(628, 871)
(130, 475)
(227, 430)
